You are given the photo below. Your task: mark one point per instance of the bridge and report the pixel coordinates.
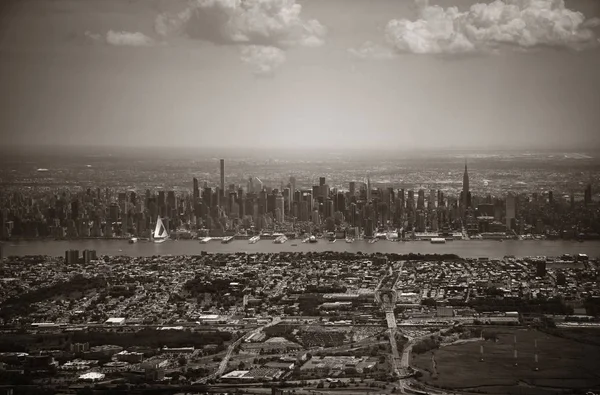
(387, 297)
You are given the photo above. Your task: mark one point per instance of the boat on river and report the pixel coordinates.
(280, 239)
(160, 234)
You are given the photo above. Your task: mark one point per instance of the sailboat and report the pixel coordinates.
(160, 234)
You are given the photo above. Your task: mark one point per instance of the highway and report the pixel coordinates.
(230, 350)
(388, 306)
(401, 363)
(405, 384)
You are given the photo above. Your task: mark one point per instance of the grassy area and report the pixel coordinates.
(582, 335)
(563, 364)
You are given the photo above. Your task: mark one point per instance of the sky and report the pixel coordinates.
(377, 74)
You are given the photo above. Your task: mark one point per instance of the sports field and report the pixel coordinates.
(563, 364)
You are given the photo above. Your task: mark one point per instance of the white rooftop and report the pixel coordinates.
(92, 376)
(236, 374)
(208, 317)
(115, 320)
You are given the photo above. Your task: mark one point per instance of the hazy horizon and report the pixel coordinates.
(333, 74)
(45, 155)
(12, 146)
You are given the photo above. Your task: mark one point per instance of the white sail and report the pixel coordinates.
(159, 225)
(160, 232)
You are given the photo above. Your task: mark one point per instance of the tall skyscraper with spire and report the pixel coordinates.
(293, 184)
(465, 194)
(221, 195)
(222, 163)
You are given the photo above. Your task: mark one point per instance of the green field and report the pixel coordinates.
(563, 365)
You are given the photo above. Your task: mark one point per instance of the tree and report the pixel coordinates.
(321, 384)
(85, 391)
(182, 361)
(428, 302)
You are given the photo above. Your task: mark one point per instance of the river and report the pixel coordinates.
(466, 249)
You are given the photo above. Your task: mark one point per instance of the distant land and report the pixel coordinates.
(384, 152)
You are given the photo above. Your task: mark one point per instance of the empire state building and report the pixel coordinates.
(465, 191)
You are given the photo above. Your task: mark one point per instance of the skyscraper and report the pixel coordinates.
(287, 197)
(222, 190)
(587, 195)
(325, 191)
(465, 194)
(340, 203)
(421, 199)
(316, 191)
(171, 203)
(279, 207)
(293, 183)
(328, 208)
(196, 190)
(511, 210)
(207, 198)
(75, 209)
(162, 201)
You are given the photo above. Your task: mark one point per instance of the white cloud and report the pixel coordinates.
(263, 60)
(93, 36)
(128, 39)
(370, 50)
(259, 22)
(168, 24)
(263, 27)
(591, 23)
(523, 23)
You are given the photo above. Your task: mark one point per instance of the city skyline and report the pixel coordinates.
(299, 197)
(115, 73)
(239, 209)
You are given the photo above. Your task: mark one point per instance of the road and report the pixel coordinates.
(405, 385)
(401, 363)
(223, 365)
(388, 308)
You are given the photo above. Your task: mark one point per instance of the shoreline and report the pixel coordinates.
(463, 248)
(218, 238)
